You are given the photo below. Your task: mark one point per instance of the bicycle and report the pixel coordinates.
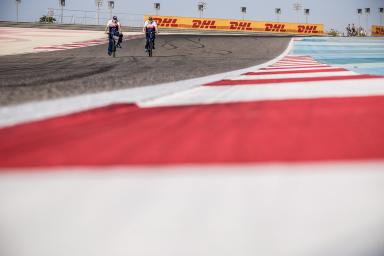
(151, 43)
(115, 39)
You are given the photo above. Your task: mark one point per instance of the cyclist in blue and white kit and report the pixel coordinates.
(113, 27)
(150, 26)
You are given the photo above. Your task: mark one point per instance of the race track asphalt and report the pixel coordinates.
(41, 76)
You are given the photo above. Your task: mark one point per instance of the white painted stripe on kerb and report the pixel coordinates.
(281, 91)
(297, 75)
(276, 210)
(294, 69)
(297, 61)
(298, 67)
(295, 64)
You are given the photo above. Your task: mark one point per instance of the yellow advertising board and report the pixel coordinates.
(377, 30)
(237, 25)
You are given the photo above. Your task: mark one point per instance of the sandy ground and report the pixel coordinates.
(24, 40)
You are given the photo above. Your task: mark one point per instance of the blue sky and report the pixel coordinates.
(332, 13)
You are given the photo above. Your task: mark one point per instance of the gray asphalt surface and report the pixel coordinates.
(32, 77)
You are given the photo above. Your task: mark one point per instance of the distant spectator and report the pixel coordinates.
(362, 32)
(354, 31)
(349, 31)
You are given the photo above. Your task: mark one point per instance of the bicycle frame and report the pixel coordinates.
(114, 39)
(150, 43)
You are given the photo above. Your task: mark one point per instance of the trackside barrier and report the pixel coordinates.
(377, 30)
(237, 25)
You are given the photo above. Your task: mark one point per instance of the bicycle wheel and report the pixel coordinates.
(150, 48)
(114, 49)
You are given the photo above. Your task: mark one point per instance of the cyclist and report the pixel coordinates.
(354, 31)
(150, 26)
(113, 27)
(349, 30)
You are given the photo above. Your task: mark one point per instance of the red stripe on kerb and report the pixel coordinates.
(298, 60)
(294, 64)
(297, 57)
(295, 67)
(289, 80)
(297, 63)
(295, 71)
(253, 132)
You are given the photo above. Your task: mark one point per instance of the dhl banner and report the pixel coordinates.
(237, 25)
(377, 30)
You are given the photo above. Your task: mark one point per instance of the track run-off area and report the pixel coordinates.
(217, 145)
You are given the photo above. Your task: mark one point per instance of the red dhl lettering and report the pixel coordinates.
(166, 22)
(234, 25)
(275, 27)
(307, 29)
(380, 31)
(204, 24)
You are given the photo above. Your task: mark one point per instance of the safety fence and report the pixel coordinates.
(87, 17)
(237, 25)
(377, 30)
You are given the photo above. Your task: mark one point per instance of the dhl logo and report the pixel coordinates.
(275, 27)
(307, 29)
(166, 22)
(380, 31)
(234, 25)
(204, 24)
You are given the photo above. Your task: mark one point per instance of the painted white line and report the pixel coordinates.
(244, 93)
(325, 67)
(297, 67)
(280, 76)
(311, 209)
(294, 64)
(12, 115)
(298, 57)
(297, 62)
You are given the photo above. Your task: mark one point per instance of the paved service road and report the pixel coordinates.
(32, 77)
